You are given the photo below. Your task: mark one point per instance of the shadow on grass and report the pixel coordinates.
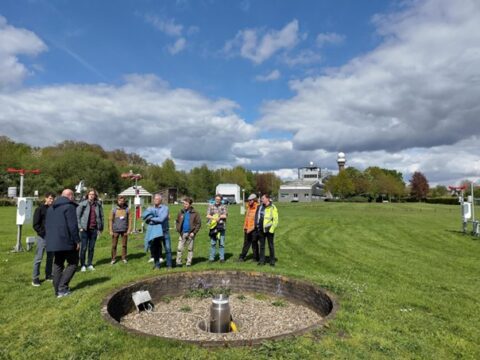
(195, 260)
(91, 282)
(129, 257)
(458, 232)
(468, 233)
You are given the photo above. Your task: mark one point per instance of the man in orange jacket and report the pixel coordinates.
(250, 237)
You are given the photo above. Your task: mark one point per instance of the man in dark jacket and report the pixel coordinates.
(188, 224)
(63, 240)
(39, 227)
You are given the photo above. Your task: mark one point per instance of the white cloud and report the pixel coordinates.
(329, 38)
(172, 29)
(13, 42)
(167, 26)
(178, 46)
(445, 164)
(303, 57)
(143, 113)
(420, 88)
(274, 75)
(259, 45)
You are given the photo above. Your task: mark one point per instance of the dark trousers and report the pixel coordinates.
(115, 237)
(156, 249)
(250, 239)
(262, 236)
(88, 237)
(61, 274)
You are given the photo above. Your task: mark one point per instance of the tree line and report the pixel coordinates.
(375, 183)
(65, 164)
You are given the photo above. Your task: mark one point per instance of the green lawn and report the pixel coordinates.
(406, 279)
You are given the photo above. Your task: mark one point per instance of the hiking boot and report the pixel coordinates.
(36, 282)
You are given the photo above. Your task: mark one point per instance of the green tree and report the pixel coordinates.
(169, 174)
(201, 184)
(71, 166)
(384, 183)
(360, 181)
(438, 191)
(341, 185)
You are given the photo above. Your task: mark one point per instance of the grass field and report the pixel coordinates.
(406, 279)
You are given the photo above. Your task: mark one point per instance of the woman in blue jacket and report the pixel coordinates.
(156, 217)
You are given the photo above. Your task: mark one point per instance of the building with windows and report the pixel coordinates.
(309, 186)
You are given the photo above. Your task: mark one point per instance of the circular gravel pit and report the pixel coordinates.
(263, 307)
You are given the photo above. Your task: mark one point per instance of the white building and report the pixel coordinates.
(307, 188)
(231, 192)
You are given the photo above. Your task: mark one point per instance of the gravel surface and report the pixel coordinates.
(256, 316)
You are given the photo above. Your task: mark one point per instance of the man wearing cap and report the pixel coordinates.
(250, 234)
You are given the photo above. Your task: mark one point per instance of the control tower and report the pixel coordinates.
(341, 161)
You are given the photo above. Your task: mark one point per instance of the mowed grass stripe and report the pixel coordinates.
(405, 277)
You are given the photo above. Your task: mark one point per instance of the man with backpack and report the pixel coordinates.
(120, 225)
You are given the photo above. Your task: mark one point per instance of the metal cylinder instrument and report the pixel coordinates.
(220, 314)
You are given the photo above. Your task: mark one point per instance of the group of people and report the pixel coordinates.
(259, 226)
(67, 231)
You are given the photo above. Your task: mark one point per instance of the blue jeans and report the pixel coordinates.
(221, 246)
(88, 237)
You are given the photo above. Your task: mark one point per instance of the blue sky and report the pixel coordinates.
(269, 85)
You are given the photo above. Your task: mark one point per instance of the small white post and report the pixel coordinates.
(18, 247)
